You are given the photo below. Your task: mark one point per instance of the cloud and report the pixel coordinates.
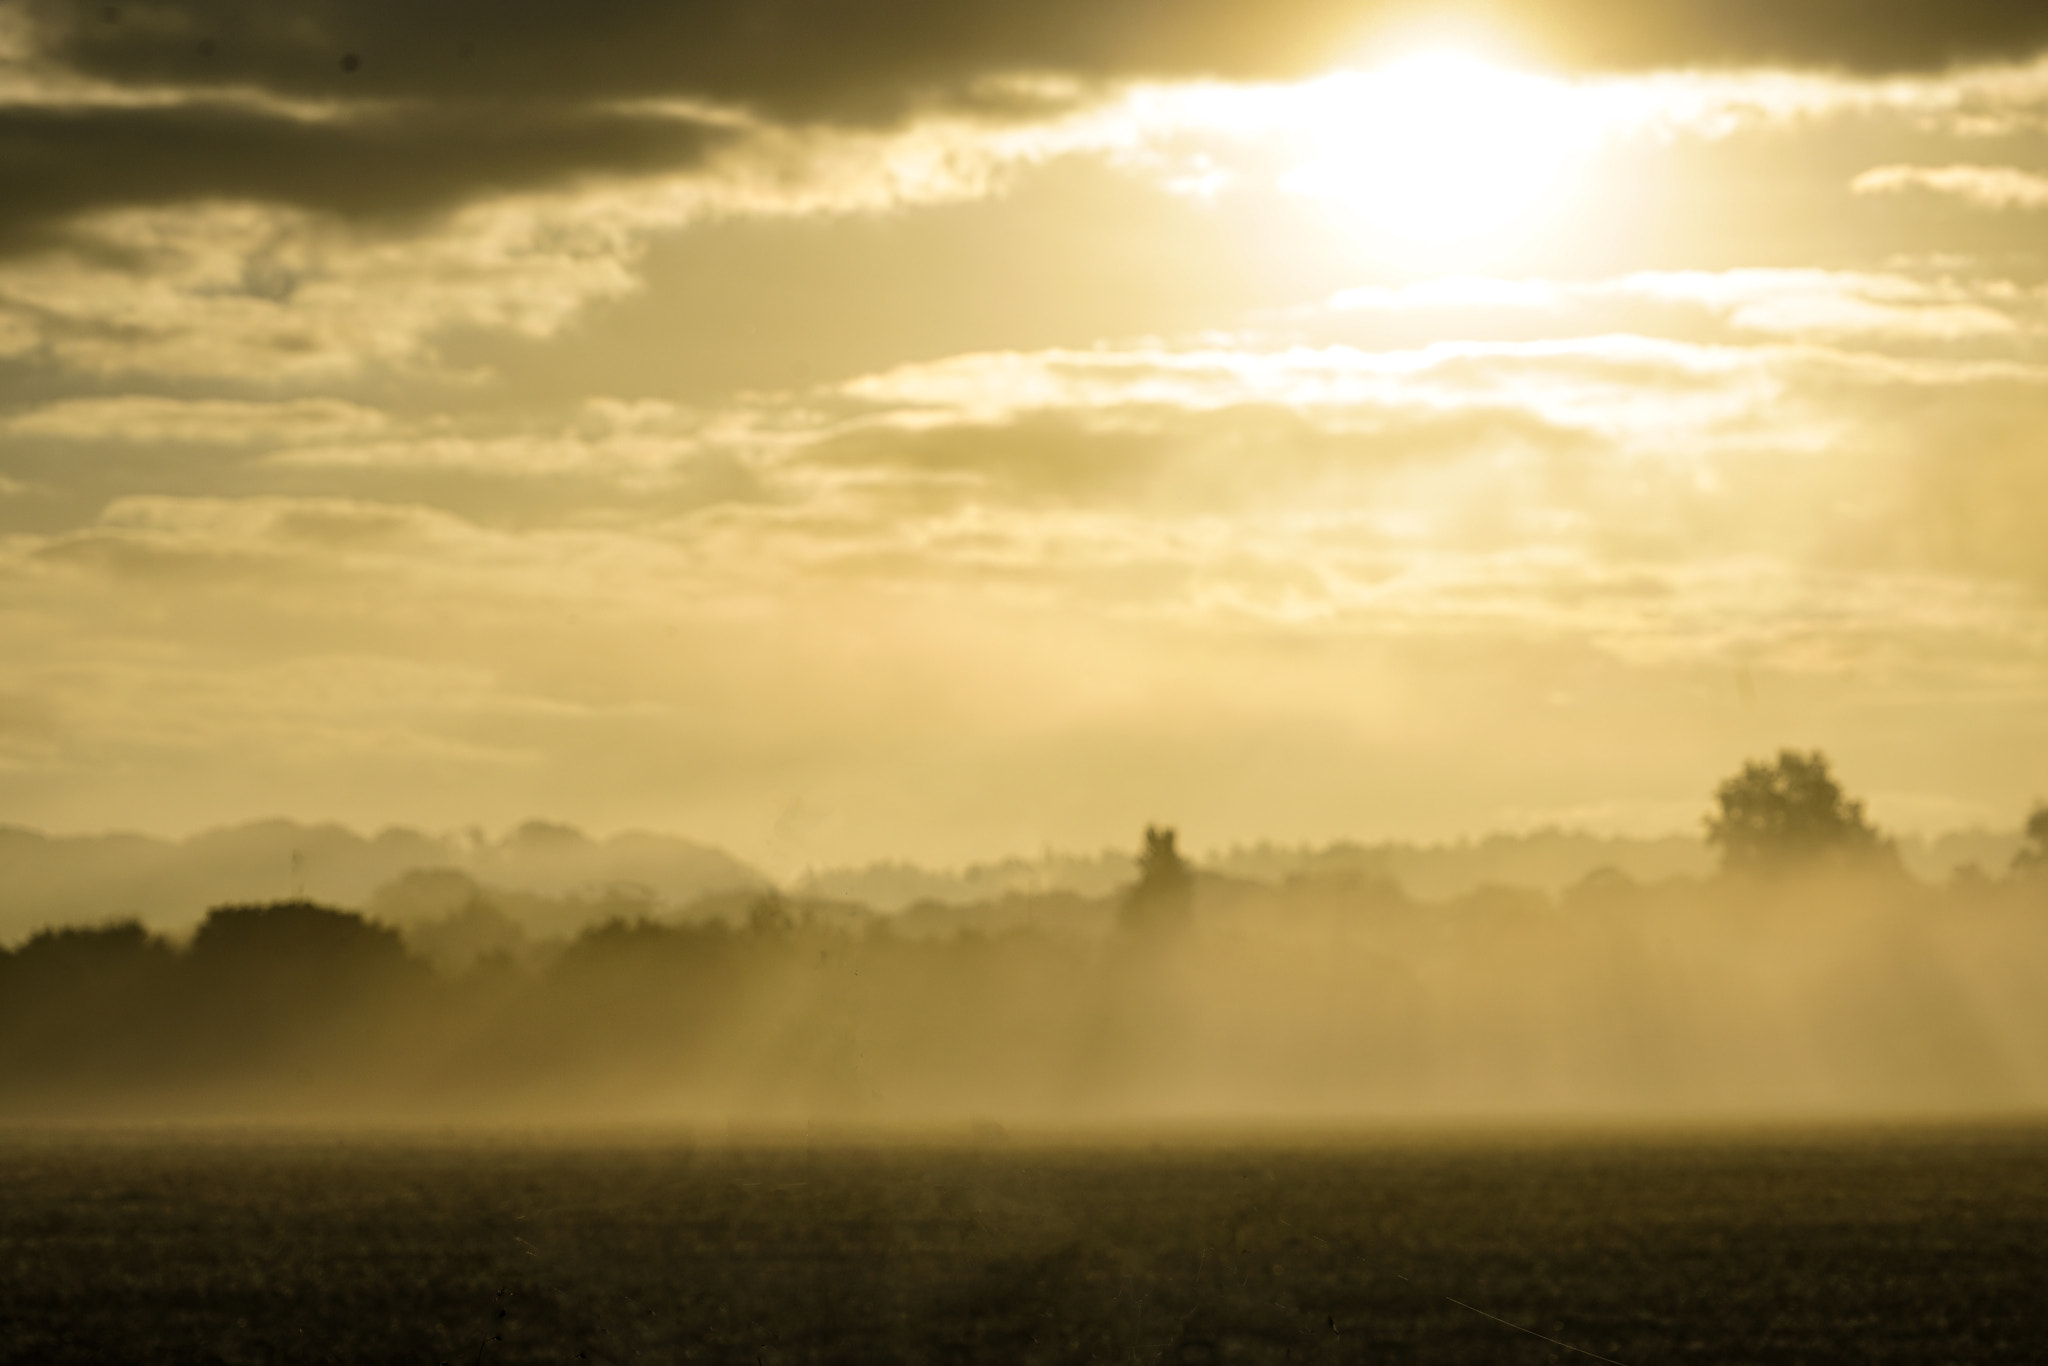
(225, 232)
(1653, 387)
(811, 59)
(1616, 450)
(17, 333)
(260, 545)
(1801, 619)
(1917, 35)
(152, 420)
(350, 575)
(234, 291)
(1826, 303)
(394, 157)
(384, 164)
(1154, 459)
(1022, 569)
(306, 564)
(235, 288)
(692, 459)
(1973, 101)
(319, 709)
(394, 567)
(1987, 187)
(1621, 447)
(1795, 302)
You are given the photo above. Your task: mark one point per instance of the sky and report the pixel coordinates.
(944, 430)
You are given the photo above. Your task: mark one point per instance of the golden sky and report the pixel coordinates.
(945, 429)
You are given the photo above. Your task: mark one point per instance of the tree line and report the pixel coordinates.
(1302, 993)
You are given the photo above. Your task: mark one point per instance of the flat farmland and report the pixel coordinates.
(1908, 1245)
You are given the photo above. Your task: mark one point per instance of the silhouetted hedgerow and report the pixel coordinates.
(1815, 984)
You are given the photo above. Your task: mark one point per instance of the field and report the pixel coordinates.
(1767, 1247)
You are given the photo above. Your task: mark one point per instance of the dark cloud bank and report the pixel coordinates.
(382, 165)
(431, 106)
(833, 58)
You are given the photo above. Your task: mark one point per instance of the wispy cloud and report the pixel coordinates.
(1798, 302)
(1988, 187)
(147, 419)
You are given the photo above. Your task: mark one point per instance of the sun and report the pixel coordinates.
(1441, 149)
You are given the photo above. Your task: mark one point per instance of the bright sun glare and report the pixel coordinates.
(1442, 149)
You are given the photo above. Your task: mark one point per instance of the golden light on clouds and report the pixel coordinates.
(988, 436)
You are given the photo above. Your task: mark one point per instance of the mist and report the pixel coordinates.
(1185, 995)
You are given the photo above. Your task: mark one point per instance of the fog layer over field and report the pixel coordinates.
(1852, 990)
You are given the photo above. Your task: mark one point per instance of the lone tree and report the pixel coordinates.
(1791, 815)
(2034, 857)
(1164, 898)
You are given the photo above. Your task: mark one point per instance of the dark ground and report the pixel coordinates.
(1907, 1246)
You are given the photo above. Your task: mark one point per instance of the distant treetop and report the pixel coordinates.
(1163, 900)
(1790, 814)
(2034, 857)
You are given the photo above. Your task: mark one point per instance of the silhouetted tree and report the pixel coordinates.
(297, 938)
(264, 977)
(2034, 857)
(1791, 814)
(77, 1005)
(1163, 899)
(71, 956)
(83, 971)
(625, 983)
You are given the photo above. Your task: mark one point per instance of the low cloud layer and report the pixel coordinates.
(1148, 542)
(1990, 187)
